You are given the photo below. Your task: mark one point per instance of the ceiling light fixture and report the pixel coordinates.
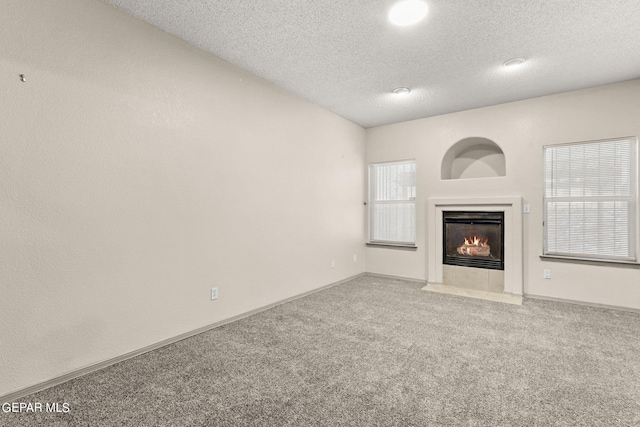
(514, 62)
(407, 12)
(401, 90)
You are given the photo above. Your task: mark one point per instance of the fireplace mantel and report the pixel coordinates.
(512, 208)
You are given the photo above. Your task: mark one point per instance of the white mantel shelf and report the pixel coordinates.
(512, 208)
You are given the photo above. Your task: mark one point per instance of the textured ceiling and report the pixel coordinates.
(347, 57)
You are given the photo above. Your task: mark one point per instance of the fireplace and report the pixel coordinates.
(473, 239)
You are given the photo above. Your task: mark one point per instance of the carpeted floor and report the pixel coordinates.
(375, 352)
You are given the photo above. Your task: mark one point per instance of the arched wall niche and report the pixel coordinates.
(473, 157)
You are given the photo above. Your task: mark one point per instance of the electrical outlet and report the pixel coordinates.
(333, 264)
(526, 209)
(355, 258)
(214, 294)
(546, 274)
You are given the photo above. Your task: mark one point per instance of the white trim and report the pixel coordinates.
(391, 276)
(584, 303)
(595, 261)
(18, 394)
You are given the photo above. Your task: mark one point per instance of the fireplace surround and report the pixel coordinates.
(513, 226)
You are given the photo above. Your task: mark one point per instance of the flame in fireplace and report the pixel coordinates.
(476, 241)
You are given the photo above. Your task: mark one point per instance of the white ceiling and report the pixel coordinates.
(347, 57)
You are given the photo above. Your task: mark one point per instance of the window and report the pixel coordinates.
(392, 205)
(590, 199)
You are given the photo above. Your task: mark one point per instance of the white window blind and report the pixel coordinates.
(590, 199)
(392, 210)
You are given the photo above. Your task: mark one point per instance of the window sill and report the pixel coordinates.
(589, 260)
(403, 247)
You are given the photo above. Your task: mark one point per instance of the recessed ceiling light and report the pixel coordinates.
(514, 62)
(407, 12)
(401, 90)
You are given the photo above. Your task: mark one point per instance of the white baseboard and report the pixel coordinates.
(389, 276)
(17, 394)
(587, 304)
(525, 296)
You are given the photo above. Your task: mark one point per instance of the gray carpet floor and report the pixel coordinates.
(375, 352)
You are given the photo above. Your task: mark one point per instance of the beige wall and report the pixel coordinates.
(137, 172)
(521, 129)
